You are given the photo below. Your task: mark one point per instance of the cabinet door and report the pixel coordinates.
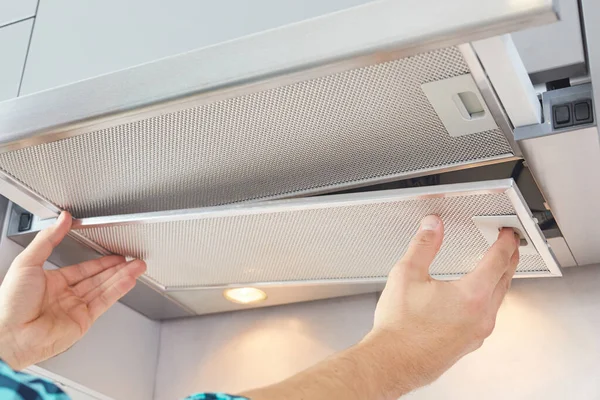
(14, 40)
(116, 34)
(12, 11)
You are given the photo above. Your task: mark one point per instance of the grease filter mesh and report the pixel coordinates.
(349, 241)
(348, 128)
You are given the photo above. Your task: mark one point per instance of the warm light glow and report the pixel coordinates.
(245, 295)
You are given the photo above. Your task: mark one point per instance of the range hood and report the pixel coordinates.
(182, 161)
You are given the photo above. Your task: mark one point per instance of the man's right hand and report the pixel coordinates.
(430, 324)
(422, 326)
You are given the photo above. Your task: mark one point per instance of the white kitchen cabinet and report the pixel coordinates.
(112, 35)
(76, 40)
(14, 40)
(12, 11)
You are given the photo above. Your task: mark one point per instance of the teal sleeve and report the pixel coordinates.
(21, 386)
(214, 396)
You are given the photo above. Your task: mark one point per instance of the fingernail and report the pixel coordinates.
(430, 223)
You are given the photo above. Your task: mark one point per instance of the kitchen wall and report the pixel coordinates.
(244, 349)
(546, 345)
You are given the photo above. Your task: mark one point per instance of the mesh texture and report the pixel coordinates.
(341, 242)
(364, 124)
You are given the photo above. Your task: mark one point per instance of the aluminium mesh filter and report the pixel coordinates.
(348, 128)
(349, 241)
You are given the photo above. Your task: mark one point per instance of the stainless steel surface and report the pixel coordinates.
(489, 95)
(566, 167)
(144, 298)
(565, 72)
(304, 203)
(580, 80)
(208, 301)
(374, 32)
(564, 162)
(509, 78)
(356, 236)
(561, 251)
(361, 126)
(556, 50)
(26, 198)
(4, 209)
(532, 229)
(156, 305)
(591, 16)
(550, 98)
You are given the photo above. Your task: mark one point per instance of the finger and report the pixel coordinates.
(44, 242)
(422, 249)
(115, 288)
(494, 263)
(504, 283)
(83, 288)
(78, 272)
(91, 287)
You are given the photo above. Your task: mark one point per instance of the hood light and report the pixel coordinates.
(245, 295)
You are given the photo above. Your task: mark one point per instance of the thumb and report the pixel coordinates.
(38, 251)
(423, 248)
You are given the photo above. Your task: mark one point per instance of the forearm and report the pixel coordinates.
(373, 369)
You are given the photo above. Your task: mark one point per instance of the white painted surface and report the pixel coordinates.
(244, 349)
(15, 10)
(14, 40)
(75, 394)
(545, 345)
(116, 34)
(508, 76)
(555, 45)
(116, 358)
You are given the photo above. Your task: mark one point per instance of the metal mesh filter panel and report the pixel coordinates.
(341, 242)
(348, 128)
